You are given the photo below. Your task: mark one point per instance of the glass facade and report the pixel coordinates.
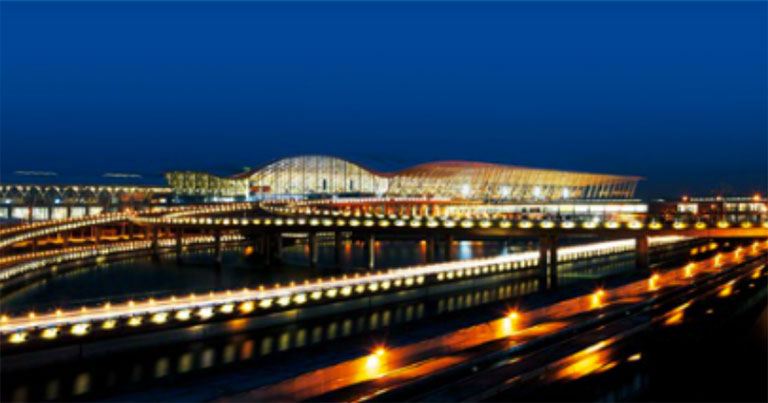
(309, 175)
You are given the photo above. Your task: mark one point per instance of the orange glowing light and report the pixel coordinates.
(756, 273)
(509, 324)
(688, 270)
(590, 360)
(726, 291)
(374, 363)
(597, 299)
(635, 357)
(674, 319)
(653, 282)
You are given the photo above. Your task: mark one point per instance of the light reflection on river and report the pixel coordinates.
(265, 348)
(142, 277)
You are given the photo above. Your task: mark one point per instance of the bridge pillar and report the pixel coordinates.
(337, 248)
(217, 246)
(278, 245)
(266, 245)
(370, 247)
(259, 245)
(543, 257)
(553, 261)
(179, 236)
(642, 256)
(155, 241)
(312, 239)
(448, 248)
(96, 233)
(430, 252)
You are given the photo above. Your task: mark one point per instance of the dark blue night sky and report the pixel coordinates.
(674, 92)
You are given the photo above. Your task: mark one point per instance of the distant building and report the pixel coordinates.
(324, 176)
(731, 208)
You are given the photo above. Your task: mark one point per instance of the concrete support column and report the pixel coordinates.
(179, 236)
(370, 247)
(430, 255)
(96, 232)
(258, 245)
(312, 240)
(278, 246)
(267, 248)
(217, 246)
(155, 241)
(642, 256)
(337, 248)
(543, 255)
(448, 248)
(553, 261)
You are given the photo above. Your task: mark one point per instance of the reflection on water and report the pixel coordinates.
(267, 347)
(123, 372)
(143, 277)
(281, 346)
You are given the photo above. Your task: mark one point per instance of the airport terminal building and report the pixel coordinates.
(318, 176)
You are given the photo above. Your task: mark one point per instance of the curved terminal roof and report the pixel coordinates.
(522, 175)
(322, 174)
(280, 162)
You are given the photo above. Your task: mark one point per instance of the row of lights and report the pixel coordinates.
(63, 227)
(203, 311)
(358, 200)
(654, 280)
(38, 224)
(72, 254)
(248, 300)
(211, 209)
(65, 224)
(433, 223)
(47, 223)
